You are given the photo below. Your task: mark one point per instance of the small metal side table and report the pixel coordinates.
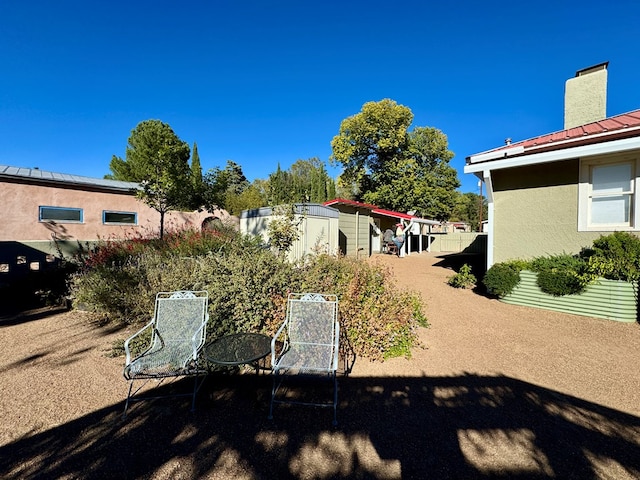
(238, 349)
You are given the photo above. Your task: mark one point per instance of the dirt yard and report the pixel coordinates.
(496, 391)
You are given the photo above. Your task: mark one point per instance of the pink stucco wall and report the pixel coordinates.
(20, 210)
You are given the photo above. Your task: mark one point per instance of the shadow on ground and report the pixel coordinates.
(400, 427)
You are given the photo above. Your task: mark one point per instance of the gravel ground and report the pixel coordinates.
(495, 391)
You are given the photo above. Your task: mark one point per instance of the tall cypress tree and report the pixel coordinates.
(197, 183)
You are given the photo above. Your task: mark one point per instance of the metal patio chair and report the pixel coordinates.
(306, 344)
(175, 334)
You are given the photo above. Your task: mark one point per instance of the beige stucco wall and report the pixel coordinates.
(536, 211)
(585, 98)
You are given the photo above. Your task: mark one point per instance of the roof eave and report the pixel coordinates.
(592, 149)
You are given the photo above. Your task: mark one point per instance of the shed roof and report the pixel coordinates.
(381, 211)
(309, 209)
(36, 175)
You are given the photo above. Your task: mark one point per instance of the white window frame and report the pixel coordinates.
(585, 195)
(75, 209)
(106, 212)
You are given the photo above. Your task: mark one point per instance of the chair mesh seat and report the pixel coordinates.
(163, 361)
(307, 357)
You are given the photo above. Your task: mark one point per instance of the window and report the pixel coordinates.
(608, 199)
(119, 218)
(60, 214)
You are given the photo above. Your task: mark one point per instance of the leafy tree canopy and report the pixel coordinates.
(467, 209)
(158, 160)
(222, 183)
(305, 181)
(388, 165)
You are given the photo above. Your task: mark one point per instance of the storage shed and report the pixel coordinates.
(318, 225)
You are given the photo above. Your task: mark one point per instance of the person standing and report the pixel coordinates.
(398, 238)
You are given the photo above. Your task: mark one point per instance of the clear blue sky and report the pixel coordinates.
(261, 82)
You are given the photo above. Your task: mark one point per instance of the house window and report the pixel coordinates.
(60, 214)
(608, 199)
(119, 218)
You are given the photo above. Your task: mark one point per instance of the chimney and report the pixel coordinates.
(585, 96)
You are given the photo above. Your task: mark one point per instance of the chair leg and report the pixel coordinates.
(126, 403)
(335, 400)
(273, 395)
(195, 390)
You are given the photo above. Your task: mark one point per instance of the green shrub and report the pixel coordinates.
(463, 279)
(615, 256)
(248, 286)
(559, 282)
(379, 320)
(562, 274)
(502, 278)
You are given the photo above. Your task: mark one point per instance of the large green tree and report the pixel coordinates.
(468, 209)
(305, 181)
(159, 161)
(220, 184)
(388, 165)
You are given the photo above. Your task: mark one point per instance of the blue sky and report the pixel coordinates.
(268, 82)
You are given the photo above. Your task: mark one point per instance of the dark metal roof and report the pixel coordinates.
(36, 175)
(309, 209)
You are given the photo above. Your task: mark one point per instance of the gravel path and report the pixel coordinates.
(496, 391)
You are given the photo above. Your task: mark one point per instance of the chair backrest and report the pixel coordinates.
(311, 318)
(180, 315)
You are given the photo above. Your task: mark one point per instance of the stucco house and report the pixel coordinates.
(558, 192)
(47, 212)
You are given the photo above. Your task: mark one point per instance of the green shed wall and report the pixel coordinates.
(354, 243)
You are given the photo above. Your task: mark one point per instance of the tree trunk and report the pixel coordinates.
(161, 224)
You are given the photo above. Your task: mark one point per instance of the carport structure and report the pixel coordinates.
(361, 226)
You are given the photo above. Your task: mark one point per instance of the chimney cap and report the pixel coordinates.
(593, 68)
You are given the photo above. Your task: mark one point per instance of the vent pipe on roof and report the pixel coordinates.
(585, 96)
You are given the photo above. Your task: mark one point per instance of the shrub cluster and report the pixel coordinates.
(615, 256)
(502, 278)
(463, 279)
(248, 285)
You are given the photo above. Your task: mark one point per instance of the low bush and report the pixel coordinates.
(560, 275)
(615, 257)
(248, 286)
(502, 278)
(463, 279)
(380, 321)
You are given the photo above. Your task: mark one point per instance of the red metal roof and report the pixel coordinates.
(376, 210)
(344, 201)
(613, 128)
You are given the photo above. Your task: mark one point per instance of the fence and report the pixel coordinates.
(472, 242)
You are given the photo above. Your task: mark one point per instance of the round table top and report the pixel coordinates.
(238, 348)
